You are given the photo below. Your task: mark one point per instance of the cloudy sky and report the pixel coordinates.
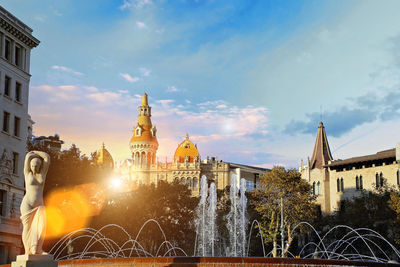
(248, 80)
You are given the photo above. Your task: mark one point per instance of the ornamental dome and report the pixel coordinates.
(188, 150)
(104, 158)
(144, 130)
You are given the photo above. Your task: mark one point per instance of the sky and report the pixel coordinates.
(249, 81)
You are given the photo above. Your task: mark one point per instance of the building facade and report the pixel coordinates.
(16, 42)
(336, 180)
(186, 167)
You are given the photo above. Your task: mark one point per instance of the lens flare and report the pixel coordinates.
(70, 209)
(116, 183)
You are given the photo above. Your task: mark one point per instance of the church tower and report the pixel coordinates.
(322, 153)
(316, 172)
(143, 144)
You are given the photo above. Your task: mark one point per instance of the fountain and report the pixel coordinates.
(357, 247)
(236, 219)
(206, 215)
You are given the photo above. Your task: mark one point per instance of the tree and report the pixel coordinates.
(170, 204)
(297, 204)
(394, 203)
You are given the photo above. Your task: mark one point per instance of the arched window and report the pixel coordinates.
(357, 183)
(361, 182)
(338, 184)
(381, 179)
(341, 185)
(313, 188)
(318, 188)
(377, 183)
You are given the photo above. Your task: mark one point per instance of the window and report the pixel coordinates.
(313, 188)
(341, 185)
(361, 183)
(377, 183)
(381, 179)
(17, 122)
(338, 184)
(398, 178)
(15, 163)
(18, 91)
(318, 188)
(357, 183)
(7, 81)
(18, 57)
(3, 197)
(6, 121)
(7, 49)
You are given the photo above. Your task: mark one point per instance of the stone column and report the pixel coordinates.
(12, 56)
(23, 60)
(27, 60)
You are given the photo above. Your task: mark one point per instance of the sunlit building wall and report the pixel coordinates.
(16, 42)
(333, 181)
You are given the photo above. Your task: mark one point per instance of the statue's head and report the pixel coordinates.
(35, 164)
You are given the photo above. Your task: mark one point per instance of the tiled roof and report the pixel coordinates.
(386, 154)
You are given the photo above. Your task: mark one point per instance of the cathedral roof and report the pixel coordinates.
(186, 149)
(322, 153)
(104, 157)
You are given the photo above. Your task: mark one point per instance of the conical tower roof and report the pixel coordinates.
(322, 153)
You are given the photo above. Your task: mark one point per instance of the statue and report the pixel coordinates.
(33, 215)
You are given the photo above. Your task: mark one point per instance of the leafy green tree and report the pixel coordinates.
(394, 203)
(297, 204)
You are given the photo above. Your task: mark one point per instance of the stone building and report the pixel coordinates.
(52, 142)
(16, 42)
(186, 166)
(335, 180)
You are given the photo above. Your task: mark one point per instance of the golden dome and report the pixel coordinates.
(104, 157)
(186, 149)
(146, 135)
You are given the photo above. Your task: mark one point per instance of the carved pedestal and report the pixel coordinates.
(34, 261)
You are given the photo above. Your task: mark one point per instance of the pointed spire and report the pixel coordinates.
(187, 136)
(144, 100)
(103, 146)
(322, 153)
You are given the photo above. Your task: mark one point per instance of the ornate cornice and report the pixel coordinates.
(18, 32)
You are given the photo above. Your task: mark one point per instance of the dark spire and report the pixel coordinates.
(322, 153)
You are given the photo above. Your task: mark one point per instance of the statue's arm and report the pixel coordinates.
(46, 161)
(28, 158)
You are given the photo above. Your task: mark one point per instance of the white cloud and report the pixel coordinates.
(134, 3)
(40, 18)
(129, 78)
(172, 89)
(145, 72)
(67, 70)
(105, 97)
(67, 87)
(140, 24)
(222, 106)
(92, 89)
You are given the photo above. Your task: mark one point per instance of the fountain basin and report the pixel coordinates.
(212, 261)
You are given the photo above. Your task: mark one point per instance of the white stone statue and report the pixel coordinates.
(33, 215)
